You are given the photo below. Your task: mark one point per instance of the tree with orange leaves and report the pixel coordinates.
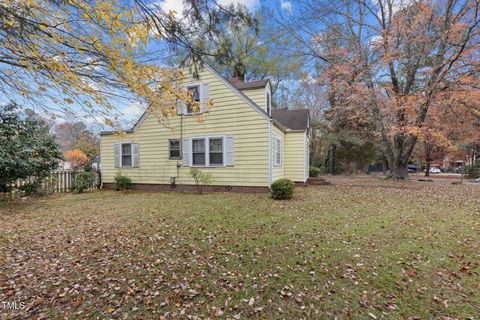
(77, 158)
(390, 62)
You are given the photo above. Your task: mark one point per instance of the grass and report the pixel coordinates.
(362, 250)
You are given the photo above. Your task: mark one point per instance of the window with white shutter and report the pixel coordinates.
(277, 151)
(229, 151)
(198, 152)
(215, 151)
(205, 95)
(126, 158)
(186, 152)
(116, 155)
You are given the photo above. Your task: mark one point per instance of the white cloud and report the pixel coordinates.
(287, 6)
(132, 111)
(178, 6)
(169, 5)
(250, 4)
(395, 5)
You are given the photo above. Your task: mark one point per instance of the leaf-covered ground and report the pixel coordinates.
(363, 250)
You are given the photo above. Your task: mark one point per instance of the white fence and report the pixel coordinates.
(59, 181)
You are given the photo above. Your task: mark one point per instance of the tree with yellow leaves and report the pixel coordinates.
(89, 53)
(77, 159)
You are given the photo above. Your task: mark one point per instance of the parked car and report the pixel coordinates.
(434, 170)
(412, 168)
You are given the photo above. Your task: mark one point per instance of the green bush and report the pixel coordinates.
(84, 180)
(472, 172)
(314, 172)
(282, 189)
(123, 182)
(30, 188)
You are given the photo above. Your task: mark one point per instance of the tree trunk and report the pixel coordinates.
(398, 153)
(427, 168)
(332, 159)
(398, 169)
(384, 166)
(427, 160)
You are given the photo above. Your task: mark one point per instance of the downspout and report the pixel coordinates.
(270, 152)
(180, 162)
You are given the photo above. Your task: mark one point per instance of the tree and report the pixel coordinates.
(444, 132)
(390, 62)
(89, 144)
(76, 136)
(251, 50)
(92, 53)
(77, 158)
(25, 149)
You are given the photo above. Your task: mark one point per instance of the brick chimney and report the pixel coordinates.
(238, 73)
(236, 79)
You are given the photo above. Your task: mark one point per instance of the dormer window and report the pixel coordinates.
(195, 94)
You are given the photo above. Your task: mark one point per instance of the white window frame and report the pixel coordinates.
(268, 99)
(169, 149)
(121, 155)
(207, 151)
(277, 156)
(200, 95)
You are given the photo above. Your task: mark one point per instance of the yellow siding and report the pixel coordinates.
(278, 172)
(230, 116)
(295, 156)
(257, 96)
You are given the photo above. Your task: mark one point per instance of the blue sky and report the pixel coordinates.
(131, 111)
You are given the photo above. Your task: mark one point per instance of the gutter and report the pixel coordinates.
(270, 152)
(106, 133)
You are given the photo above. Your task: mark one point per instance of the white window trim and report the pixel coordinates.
(200, 93)
(268, 102)
(131, 154)
(169, 149)
(207, 151)
(277, 161)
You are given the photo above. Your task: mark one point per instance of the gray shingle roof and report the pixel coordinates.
(250, 85)
(292, 119)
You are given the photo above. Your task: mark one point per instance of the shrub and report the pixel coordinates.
(282, 189)
(472, 172)
(314, 172)
(83, 181)
(30, 188)
(201, 179)
(123, 182)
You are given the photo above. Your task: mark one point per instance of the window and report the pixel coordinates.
(174, 149)
(126, 154)
(208, 151)
(268, 102)
(195, 92)
(216, 151)
(277, 151)
(198, 152)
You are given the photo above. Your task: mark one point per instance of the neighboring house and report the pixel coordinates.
(242, 142)
(96, 163)
(64, 165)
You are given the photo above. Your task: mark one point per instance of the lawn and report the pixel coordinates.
(367, 249)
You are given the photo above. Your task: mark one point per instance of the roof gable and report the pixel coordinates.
(298, 119)
(256, 84)
(222, 79)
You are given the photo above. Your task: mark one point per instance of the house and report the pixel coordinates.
(96, 163)
(242, 143)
